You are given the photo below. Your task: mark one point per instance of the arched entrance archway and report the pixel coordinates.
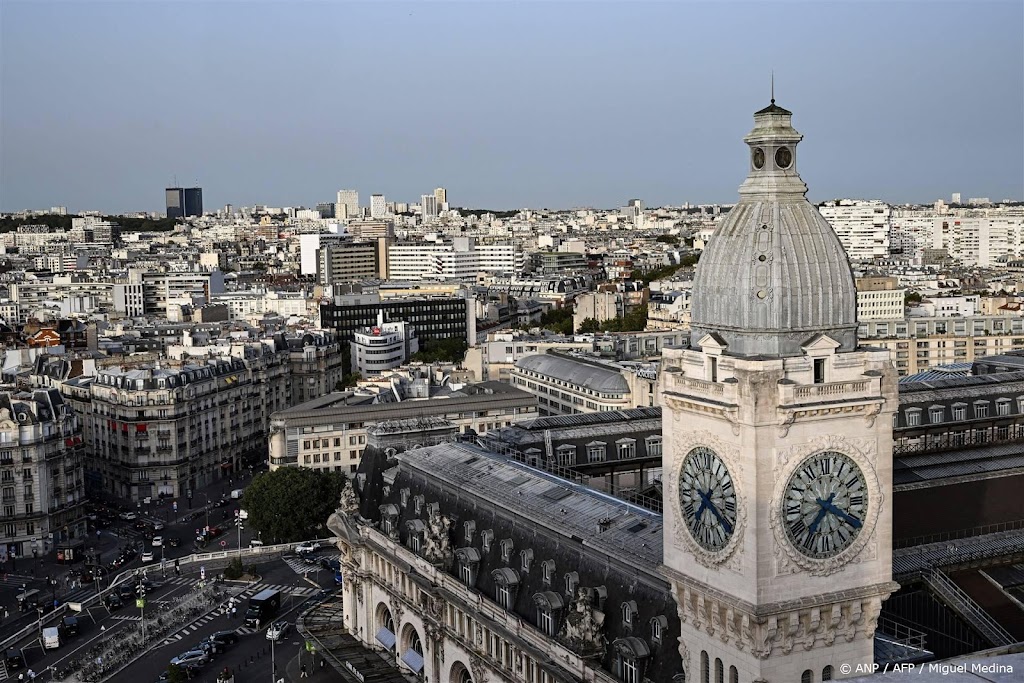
(385, 635)
(412, 649)
(460, 674)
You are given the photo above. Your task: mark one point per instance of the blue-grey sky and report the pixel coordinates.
(537, 104)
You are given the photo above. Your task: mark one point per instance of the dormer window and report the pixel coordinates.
(470, 529)
(936, 414)
(659, 625)
(432, 510)
(959, 411)
(654, 446)
(405, 497)
(389, 520)
(913, 417)
(1003, 407)
(506, 583)
(548, 605)
(547, 568)
(527, 559)
(506, 550)
(417, 504)
(981, 409)
(572, 580)
(468, 560)
(629, 612)
(415, 529)
(486, 537)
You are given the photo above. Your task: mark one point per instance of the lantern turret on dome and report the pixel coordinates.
(774, 274)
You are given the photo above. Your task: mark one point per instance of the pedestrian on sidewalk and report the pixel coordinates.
(322, 662)
(303, 673)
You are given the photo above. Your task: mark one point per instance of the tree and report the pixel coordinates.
(176, 674)
(589, 325)
(558, 320)
(634, 321)
(668, 239)
(449, 350)
(911, 298)
(292, 503)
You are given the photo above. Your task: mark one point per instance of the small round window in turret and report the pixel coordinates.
(758, 158)
(761, 294)
(762, 258)
(783, 157)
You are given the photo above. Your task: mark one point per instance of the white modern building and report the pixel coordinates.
(348, 204)
(378, 206)
(861, 225)
(382, 347)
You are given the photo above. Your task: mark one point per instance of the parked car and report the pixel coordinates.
(190, 671)
(224, 637)
(307, 547)
(147, 556)
(128, 516)
(157, 541)
(15, 658)
(192, 657)
(158, 526)
(278, 630)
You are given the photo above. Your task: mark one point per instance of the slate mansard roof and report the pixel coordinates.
(613, 547)
(585, 373)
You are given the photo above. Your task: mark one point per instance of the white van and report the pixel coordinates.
(255, 543)
(237, 493)
(51, 638)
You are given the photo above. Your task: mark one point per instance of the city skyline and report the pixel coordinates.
(556, 107)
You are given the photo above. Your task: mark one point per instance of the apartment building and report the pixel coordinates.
(342, 262)
(919, 344)
(461, 260)
(879, 298)
(861, 225)
(331, 432)
(42, 483)
(175, 428)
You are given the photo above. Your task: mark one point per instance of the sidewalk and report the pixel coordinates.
(316, 673)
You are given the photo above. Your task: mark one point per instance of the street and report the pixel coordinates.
(251, 656)
(54, 581)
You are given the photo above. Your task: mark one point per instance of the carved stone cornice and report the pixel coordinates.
(788, 626)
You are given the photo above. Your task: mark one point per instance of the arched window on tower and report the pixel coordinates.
(705, 668)
(807, 676)
(719, 671)
(734, 675)
(826, 673)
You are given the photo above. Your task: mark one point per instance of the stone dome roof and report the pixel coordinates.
(774, 275)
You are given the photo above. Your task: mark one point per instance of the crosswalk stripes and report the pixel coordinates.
(3, 671)
(126, 617)
(297, 591)
(300, 566)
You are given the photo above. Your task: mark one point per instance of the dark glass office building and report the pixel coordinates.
(183, 202)
(433, 317)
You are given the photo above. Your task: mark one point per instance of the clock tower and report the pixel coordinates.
(778, 427)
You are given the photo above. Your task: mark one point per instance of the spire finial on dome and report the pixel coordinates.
(773, 86)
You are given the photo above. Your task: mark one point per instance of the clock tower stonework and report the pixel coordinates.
(778, 427)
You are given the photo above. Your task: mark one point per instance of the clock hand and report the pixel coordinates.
(849, 519)
(821, 514)
(706, 501)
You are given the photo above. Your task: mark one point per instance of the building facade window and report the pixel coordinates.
(596, 451)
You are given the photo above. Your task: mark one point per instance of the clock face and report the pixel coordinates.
(825, 505)
(707, 498)
(783, 157)
(758, 158)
